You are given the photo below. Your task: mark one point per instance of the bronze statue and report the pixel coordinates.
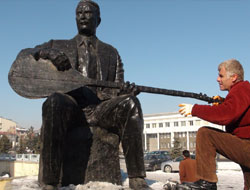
(68, 117)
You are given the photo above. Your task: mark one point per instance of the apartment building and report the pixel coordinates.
(11, 130)
(161, 129)
(8, 128)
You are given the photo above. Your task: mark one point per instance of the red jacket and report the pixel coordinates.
(234, 112)
(187, 171)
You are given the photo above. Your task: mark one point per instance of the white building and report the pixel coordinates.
(11, 130)
(161, 129)
(8, 128)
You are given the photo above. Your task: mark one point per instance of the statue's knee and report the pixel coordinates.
(133, 100)
(52, 98)
(135, 107)
(59, 99)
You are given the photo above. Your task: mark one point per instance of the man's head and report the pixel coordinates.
(230, 72)
(186, 154)
(87, 17)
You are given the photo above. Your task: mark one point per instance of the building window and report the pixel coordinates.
(163, 145)
(192, 134)
(183, 134)
(147, 125)
(183, 123)
(154, 125)
(169, 145)
(160, 124)
(198, 122)
(191, 123)
(162, 135)
(167, 124)
(191, 145)
(184, 144)
(176, 123)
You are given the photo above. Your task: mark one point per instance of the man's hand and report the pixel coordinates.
(58, 58)
(220, 100)
(129, 88)
(186, 109)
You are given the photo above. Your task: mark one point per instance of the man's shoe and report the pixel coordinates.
(202, 184)
(138, 183)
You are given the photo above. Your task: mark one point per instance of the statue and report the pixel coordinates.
(69, 119)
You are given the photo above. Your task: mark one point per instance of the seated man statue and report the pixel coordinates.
(117, 111)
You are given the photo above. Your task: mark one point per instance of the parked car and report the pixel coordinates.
(159, 152)
(153, 161)
(5, 156)
(173, 165)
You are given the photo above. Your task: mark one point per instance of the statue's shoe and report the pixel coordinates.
(49, 187)
(138, 183)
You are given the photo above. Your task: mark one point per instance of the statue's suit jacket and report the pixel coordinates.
(111, 67)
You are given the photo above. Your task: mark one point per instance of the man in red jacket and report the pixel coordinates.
(187, 168)
(234, 113)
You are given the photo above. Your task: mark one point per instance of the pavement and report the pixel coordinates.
(5, 184)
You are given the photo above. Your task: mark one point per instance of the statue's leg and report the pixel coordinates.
(131, 138)
(60, 112)
(124, 116)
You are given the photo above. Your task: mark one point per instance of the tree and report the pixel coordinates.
(5, 144)
(35, 144)
(33, 141)
(176, 150)
(22, 146)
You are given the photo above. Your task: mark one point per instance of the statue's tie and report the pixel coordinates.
(90, 60)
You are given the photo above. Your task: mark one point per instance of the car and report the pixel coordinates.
(159, 152)
(153, 161)
(5, 156)
(173, 165)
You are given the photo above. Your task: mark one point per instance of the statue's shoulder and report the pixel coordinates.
(105, 46)
(63, 42)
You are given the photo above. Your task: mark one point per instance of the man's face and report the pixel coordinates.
(225, 81)
(86, 19)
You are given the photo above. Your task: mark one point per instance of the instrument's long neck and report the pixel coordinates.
(153, 90)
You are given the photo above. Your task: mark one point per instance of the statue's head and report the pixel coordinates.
(87, 17)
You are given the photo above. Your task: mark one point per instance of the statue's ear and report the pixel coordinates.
(98, 21)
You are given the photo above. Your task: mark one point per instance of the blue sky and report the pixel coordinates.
(173, 44)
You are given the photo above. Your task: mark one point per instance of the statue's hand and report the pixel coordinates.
(58, 58)
(129, 88)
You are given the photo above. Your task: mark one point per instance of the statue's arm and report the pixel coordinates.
(126, 87)
(34, 51)
(119, 77)
(46, 51)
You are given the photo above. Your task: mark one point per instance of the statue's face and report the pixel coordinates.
(86, 19)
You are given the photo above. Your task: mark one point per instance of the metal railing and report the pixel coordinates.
(20, 157)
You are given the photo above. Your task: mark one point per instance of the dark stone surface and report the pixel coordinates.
(104, 163)
(77, 154)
